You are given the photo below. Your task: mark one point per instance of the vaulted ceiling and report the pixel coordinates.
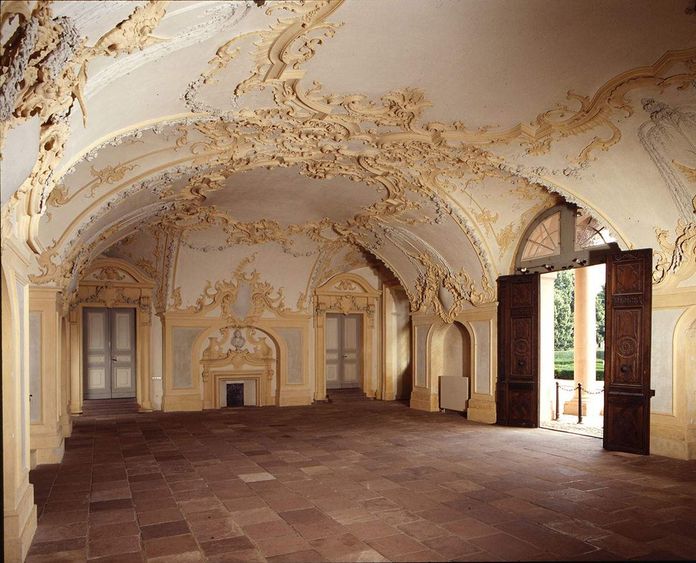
(426, 133)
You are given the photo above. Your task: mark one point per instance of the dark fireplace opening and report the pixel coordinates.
(235, 394)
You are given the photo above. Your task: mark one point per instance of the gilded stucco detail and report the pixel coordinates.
(380, 142)
(676, 260)
(46, 63)
(244, 348)
(241, 300)
(448, 292)
(346, 293)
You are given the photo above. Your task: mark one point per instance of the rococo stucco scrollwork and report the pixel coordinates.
(259, 103)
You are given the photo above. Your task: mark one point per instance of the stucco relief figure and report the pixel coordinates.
(670, 139)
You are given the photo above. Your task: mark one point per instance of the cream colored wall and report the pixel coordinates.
(673, 374)
(47, 432)
(19, 511)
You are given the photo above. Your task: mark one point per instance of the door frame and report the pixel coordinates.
(134, 343)
(341, 340)
(113, 283)
(603, 257)
(347, 294)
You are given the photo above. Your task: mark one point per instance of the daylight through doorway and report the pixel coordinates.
(571, 370)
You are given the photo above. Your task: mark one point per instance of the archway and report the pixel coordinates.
(565, 238)
(451, 365)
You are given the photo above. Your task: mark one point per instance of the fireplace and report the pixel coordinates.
(235, 394)
(237, 390)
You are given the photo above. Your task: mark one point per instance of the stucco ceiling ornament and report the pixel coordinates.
(383, 140)
(48, 64)
(677, 260)
(242, 300)
(447, 292)
(671, 131)
(422, 147)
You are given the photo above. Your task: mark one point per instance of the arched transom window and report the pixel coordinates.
(563, 237)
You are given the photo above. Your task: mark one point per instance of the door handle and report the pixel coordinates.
(345, 355)
(114, 359)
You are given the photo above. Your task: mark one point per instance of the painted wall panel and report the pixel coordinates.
(35, 367)
(293, 339)
(182, 345)
(661, 363)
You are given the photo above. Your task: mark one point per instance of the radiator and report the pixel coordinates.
(454, 392)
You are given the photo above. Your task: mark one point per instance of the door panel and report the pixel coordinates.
(123, 352)
(627, 363)
(109, 352)
(351, 350)
(343, 351)
(97, 353)
(333, 352)
(518, 351)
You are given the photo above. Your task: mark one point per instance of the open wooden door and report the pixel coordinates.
(627, 363)
(517, 392)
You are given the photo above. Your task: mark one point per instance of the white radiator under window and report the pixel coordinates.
(454, 392)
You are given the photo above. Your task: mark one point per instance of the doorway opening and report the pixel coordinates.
(560, 239)
(571, 350)
(344, 351)
(109, 353)
(454, 382)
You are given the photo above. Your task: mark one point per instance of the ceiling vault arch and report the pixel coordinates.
(440, 202)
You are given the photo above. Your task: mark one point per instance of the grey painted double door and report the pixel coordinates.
(109, 352)
(343, 351)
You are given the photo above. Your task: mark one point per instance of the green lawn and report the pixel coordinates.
(563, 364)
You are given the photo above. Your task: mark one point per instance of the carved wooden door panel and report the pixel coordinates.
(517, 393)
(627, 364)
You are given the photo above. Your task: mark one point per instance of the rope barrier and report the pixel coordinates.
(580, 391)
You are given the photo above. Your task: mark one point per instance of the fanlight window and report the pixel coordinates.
(562, 237)
(545, 239)
(589, 233)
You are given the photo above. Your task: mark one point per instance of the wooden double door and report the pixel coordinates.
(627, 390)
(109, 352)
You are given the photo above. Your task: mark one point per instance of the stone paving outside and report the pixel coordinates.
(358, 481)
(590, 426)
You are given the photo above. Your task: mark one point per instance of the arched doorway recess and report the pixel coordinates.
(347, 294)
(560, 239)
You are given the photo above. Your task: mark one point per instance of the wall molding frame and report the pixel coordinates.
(344, 293)
(113, 283)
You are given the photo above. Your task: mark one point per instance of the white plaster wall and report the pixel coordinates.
(664, 322)
(456, 351)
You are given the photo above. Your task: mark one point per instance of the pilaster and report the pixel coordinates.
(47, 435)
(19, 510)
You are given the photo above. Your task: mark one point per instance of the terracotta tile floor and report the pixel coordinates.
(359, 481)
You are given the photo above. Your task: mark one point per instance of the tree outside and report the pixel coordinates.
(564, 329)
(563, 310)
